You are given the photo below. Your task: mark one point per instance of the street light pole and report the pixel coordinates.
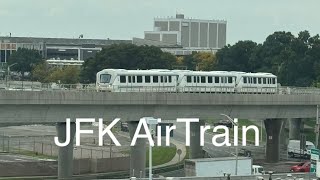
(237, 151)
(152, 122)
(8, 70)
(317, 128)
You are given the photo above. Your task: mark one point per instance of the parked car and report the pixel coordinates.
(301, 167)
(223, 123)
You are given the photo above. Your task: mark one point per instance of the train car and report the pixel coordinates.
(206, 81)
(265, 83)
(119, 80)
(163, 80)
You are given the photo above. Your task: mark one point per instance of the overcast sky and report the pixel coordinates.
(124, 19)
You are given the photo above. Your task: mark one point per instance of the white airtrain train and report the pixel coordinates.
(163, 80)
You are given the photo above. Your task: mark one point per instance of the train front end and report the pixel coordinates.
(104, 81)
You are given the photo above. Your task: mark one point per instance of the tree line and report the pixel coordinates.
(294, 59)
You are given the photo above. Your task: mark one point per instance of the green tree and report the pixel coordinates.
(237, 57)
(65, 75)
(126, 56)
(41, 72)
(206, 61)
(26, 59)
(295, 60)
(47, 74)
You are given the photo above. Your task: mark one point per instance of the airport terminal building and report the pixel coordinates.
(177, 35)
(191, 34)
(56, 50)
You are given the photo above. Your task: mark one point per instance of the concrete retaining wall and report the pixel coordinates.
(50, 168)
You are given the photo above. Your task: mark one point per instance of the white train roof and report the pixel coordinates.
(138, 72)
(186, 72)
(259, 75)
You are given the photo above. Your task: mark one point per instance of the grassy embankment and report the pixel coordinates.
(160, 155)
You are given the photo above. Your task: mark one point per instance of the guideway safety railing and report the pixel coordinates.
(37, 86)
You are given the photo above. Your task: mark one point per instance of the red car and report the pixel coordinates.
(302, 167)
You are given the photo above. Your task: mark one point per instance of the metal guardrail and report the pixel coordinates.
(37, 86)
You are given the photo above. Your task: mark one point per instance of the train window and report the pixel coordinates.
(259, 80)
(245, 80)
(209, 79)
(129, 79)
(223, 80)
(162, 79)
(147, 79)
(216, 79)
(188, 79)
(203, 79)
(122, 79)
(155, 79)
(170, 79)
(230, 80)
(105, 78)
(133, 79)
(264, 80)
(273, 81)
(196, 79)
(139, 79)
(254, 80)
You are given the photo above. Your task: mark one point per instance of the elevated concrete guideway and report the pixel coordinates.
(26, 107)
(56, 106)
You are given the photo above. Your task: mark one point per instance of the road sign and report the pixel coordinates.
(314, 158)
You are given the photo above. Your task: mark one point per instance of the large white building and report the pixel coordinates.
(191, 34)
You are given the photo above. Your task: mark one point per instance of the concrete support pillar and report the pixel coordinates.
(273, 129)
(65, 156)
(284, 135)
(296, 126)
(137, 153)
(195, 150)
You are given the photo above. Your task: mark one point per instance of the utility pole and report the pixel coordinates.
(237, 151)
(317, 128)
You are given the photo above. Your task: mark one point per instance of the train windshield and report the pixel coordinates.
(105, 78)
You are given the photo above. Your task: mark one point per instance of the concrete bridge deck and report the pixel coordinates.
(56, 106)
